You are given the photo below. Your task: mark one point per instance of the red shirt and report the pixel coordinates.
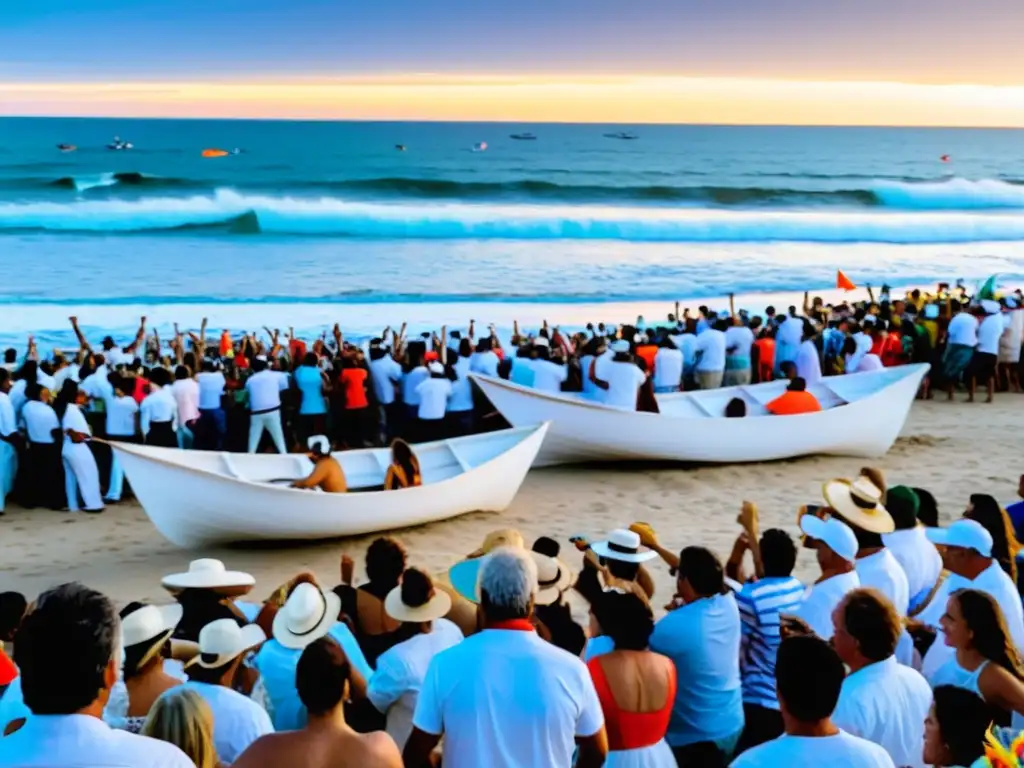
(353, 380)
(7, 669)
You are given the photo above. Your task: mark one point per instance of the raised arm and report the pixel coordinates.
(516, 340)
(140, 336)
(472, 328)
(82, 342)
(495, 341)
(444, 345)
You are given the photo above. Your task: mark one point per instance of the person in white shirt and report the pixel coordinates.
(809, 678)
(668, 366)
(548, 376)
(186, 394)
(97, 386)
(395, 685)
(460, 401)
(80, 471)
(1010, 344)
(122, 425)
(962, 338)
(622, 378)
(237, 720)
(836, 549)
(433, 393)
(856, 352)
(211, 409)
(45, 486)
(788, 337)
(8, 437)
(882, 700)
(739, 340)
(385, 375)
(917, 556)
(66, 692)
(414, 373)
(265, 387)
(711, 356)
(808, 361)
(486, 360)
(505, 698)
(158, 414)
(986, 355)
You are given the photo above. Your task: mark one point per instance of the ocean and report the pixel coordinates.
(317, 222)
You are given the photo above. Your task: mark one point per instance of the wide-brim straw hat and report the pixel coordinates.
(222, 641)
(307, 615)
(859, 503)
(208, 573)
(435, 608)
(623, 545)
(553, 578)
(503, 537)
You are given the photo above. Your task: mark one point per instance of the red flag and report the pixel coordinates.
(843, 282)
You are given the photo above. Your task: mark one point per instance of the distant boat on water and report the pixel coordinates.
(400, 147)
(622, 135)
(66, 147)
(119, 144)
(523, 136)
(480, 147)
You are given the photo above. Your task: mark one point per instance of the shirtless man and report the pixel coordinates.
(327, 474)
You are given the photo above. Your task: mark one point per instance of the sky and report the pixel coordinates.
(889, 62)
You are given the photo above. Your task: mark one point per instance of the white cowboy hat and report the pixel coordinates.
(435, 608)
(623, 545)
(319, 444)
(149, 622)
(307, 615)
(223, 640)
(859, 503)
(207, 574)
(553, 578)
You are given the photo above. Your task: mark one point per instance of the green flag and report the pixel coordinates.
(988, 290)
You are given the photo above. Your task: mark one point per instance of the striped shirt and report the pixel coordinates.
(761, 603)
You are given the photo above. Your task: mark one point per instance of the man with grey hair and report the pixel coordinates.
(505, 698)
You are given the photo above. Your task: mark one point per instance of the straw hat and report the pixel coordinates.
(150, 624)
(222, 641)
(859, 503)
(623, 545)
(553, 578)
(307, 615)
(207, 574)
(438, 604)
(503, 537)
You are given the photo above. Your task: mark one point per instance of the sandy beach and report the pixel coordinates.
(951, 449)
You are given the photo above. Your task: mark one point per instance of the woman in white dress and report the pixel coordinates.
(80, 472)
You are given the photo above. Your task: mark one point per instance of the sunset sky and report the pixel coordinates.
(920, 62)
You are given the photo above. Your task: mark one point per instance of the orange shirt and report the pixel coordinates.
(792, 403)
(354, 380)
(225, 344)
(7, 669)
(647, 353)
(765, 357)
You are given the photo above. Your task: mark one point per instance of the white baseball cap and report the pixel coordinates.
(435, 367)
(967, 534)
(620, 346)
(836, 534)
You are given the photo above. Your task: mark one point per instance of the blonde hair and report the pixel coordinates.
(183, 718)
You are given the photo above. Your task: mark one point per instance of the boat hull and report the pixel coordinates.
(585, 431)
(193, 505)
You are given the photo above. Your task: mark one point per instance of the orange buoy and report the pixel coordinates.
(215, 153)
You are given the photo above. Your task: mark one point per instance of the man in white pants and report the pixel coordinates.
(264, 388)
(8, 432)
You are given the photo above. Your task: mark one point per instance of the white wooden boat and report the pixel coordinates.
(195, 498)
(862, 416)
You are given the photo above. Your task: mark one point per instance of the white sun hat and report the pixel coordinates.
(148, 622)
(207, 573)
(223, 640)
(966, 534)
(836, 534)
(437, 606)
(435, 367)
(307, 615)
(319, 444)
(623, 545)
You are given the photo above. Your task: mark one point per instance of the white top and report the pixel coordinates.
(711, 346)
(526, 717)
(839, 751)
(69, 371)
(8, 423)
(791, 331)
(808, 363)
(186, 395)
(385, 373)
(237, 720)
(265, 390)
(461, 398)
(80, 741)
(918, 557)
(738, 341)
(211, 388)
(17, 395)
(74, 420)
(668, 367)
(886, 703)
(121, 416)
(159, 406)
(822, 598)
(963, 329)
(883, 572)
(549, 376)
(395, 685)
(687, 343)
(432, 394)
(410, 382)
(624, 380)
(97, 386)
(40, 420)
(989, 333)
(485, 363)
(855, 362)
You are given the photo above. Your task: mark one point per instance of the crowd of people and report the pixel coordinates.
(247, 392)
(904, 651)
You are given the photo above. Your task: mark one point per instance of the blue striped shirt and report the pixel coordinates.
(761, 603)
